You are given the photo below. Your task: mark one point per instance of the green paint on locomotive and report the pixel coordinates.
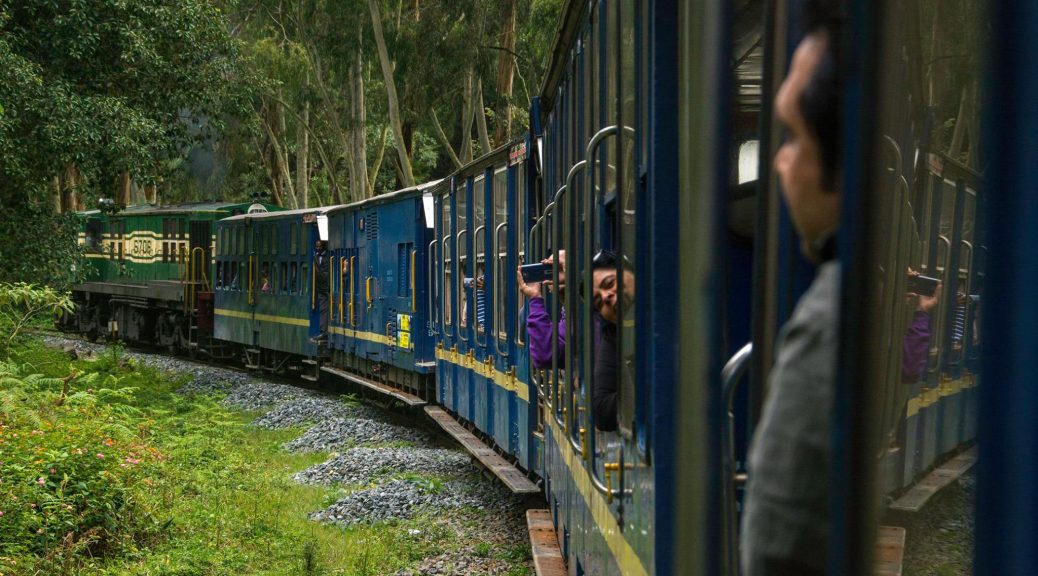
(147, 242)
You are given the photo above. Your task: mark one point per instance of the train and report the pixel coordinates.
(651, 140)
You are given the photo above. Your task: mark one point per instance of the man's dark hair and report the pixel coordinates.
(820, 102)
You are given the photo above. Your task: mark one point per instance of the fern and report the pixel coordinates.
(120, 431)
(123, 395)
(81, 399)
(42, 382)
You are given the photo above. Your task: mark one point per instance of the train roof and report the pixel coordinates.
(187, 208)
(482, 162)
(748, 57)
(388, 197)
(282, 213)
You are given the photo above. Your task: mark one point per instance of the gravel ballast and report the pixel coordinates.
(339, 432)
(364, 465)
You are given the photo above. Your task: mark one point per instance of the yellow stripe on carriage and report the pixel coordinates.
(930, 396)
(505, 380)
(263, 317)
(369, 336)
(626, 558)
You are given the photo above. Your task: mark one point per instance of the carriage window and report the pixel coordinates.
(293, 280)
(462, 239)
(235, 283)
(219, 275)
(926, 179)
(403, 259)
(274, 239)
(293, 238)
(477, 286)
(283, 284)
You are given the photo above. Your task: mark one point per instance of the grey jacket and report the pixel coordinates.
(786, 520)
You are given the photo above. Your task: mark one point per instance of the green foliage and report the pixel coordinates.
(184, 486)
(65, 489)
(109, 87)
(37, 246)
(21, 303)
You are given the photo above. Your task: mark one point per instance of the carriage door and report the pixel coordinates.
(201, 253)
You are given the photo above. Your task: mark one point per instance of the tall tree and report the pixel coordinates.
(505, 75)
(406, 174)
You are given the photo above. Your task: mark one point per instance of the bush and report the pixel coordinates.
(68, 456)
(21, 303)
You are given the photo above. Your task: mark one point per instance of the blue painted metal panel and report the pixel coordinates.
(1007, 502)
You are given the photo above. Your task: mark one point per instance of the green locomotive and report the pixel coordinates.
(149, 272)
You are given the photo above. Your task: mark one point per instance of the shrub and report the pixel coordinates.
(66, 463)
(21, 303)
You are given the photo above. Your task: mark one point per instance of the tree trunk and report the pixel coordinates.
(281, 146)
(359, 174)
(303, 157)
(275, 192)
(124, 189)
(151, 193)
(330, 103)
(378, 160)
(481, 118)
(958, 135)
(284, 178)
(394, 104)
(444, 141)
(56, 195)
(505, 75)
(465, 145)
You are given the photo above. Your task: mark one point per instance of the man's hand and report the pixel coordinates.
(926, 303)
(562, 267)
(529, 290)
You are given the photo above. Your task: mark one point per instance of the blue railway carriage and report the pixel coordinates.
(597, 191)
(481, 358)
(378, 323)
(264, 295)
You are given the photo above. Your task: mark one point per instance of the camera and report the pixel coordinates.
(922, 285)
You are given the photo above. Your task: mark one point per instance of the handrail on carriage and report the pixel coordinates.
(432, 280)
(460, 283)
(731, 375)
(479, 329)
(498, 301)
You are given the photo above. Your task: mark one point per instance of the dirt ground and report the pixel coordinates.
(939, 539)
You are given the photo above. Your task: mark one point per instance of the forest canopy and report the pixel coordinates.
(296, 102)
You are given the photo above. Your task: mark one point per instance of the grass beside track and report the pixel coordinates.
(110, 472)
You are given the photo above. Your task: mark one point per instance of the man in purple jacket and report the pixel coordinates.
(539, 327)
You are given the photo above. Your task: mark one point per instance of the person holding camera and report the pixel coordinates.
(539, 326)
(916, 344)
